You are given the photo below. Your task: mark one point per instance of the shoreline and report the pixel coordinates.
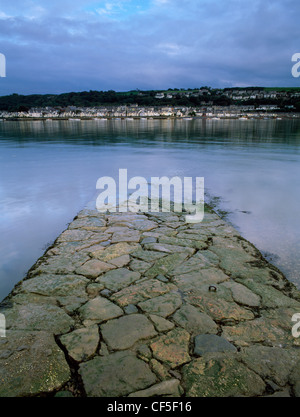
(253, 116)
(169, 302)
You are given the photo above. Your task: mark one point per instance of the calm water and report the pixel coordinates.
(48, 172)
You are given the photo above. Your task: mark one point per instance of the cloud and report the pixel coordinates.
(57, 46)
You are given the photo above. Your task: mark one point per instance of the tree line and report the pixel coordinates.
(189, 98)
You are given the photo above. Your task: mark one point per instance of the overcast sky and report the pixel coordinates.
(54, 46)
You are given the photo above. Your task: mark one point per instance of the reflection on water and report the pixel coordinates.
(49, 169)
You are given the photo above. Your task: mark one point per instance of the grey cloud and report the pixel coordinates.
(62, 45)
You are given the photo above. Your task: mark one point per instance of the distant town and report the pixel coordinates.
(250, 102)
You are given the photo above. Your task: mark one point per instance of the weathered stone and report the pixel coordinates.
(115, 375)
(143, 225)
(63, 394)
(162, 278)
(139, 266)
(173, 225)
(166, 265)
(147, 255)
(164, 216)
(280, 318)
(74, 236)
(195, 322)
(93, 222)
(142, 291)
(208, 343)
(105, 293)
(55, 285)
(228, 243)
(232, 260)
(92, 248)
(168, 388)
(202, 277)
(242, 295)
(148, 239)
(172, 348)
(81, 343)
(114, 229)
(259, 275)
(271, 362)
(121, 261)
(38, 317)
(103, 351)
(118, 279)
(130, 309)
(190, 243)
(159, 369)
(221, 376)
(72, 303)
(93, 268)
(114, 251)
(219, 309)
(163, 247)
(31, 298)
(192, 234)
(161, 324)
(98, 310)
(144, 353)
(63, 264)
(160, 231)
(124, 332)
(280, 394)
(94, 289)
(271, 298)
(126, 236)
(295, 379)
(255, 331)
(125, 217)
(40, 368)
(201, 260)
(163, 306)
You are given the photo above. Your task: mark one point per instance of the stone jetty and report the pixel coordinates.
(145, 305)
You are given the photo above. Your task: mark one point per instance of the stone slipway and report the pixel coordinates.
(147, 305)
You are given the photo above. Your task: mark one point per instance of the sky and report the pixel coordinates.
(55, 46)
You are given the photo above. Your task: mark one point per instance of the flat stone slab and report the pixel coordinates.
(118, 279)
(115, 375)
(56, 285)
(221, 376)
(272, 362)
(164, 305)
(93, 268)
(113, 251)
(31, 363)
(209, 343)
(161, 324)
(122, 333)
(166, 389)
(172, 348)
(143, 291)
(81, 343)
(194, 321)
(34, 317)
(98, 310)
(146, 305)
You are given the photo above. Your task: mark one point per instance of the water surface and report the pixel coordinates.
(49, 169)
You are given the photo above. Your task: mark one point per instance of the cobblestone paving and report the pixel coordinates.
(148, 305)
